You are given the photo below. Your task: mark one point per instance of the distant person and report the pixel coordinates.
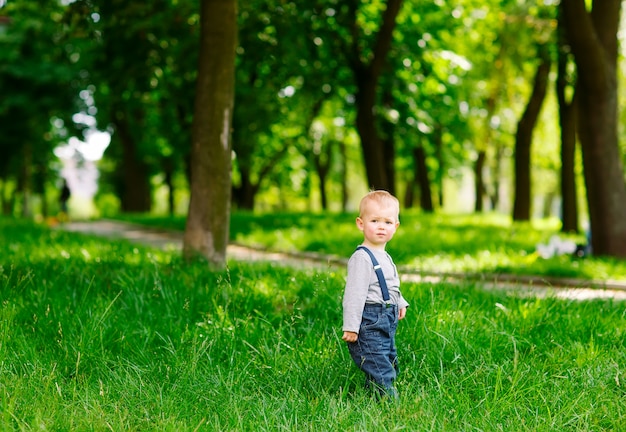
(64, 197)
(372, 302)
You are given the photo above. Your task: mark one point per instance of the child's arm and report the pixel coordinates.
(355, 294)
(401, 313)
(350, 336)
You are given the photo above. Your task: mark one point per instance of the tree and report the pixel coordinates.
(421, 177)
(207, 229)
(38, 82)
(267, 60)
(501, 72)
(593, 38)
(367, 65)
(523, 139)
(567, 120)
(140, 61)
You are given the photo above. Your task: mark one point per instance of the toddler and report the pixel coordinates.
(372, 302)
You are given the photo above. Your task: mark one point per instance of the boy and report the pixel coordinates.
(370, 315)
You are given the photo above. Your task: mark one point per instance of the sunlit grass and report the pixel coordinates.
(483, 243)
(105, 335)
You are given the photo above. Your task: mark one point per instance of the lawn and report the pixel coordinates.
(424, 243)
(105, 335)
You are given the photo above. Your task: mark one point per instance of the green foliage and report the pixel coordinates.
(98, 335)
(454, 84)
(38, 81)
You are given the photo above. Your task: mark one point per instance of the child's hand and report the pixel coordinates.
(350, 336)
(401, 313)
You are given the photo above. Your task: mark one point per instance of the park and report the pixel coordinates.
(179, 206)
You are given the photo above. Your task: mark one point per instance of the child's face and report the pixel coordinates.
(378, 223)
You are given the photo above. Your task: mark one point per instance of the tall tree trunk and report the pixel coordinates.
(367, 77)
(136, 193)
(371, 143)
(343, 174)
(40, 185)
(421, 174)
(479, 182)
(593, 38)
(322, 167)
(244, 194)
(480, 187)
(497, 168)
(6, 208)
(168, 172)
(388, 134)
(569, 201)
(498, 82)
(25, 179)
(208, 221)
(523, 139)
(321, 156)
(567, 121)
(409, 193)
(441, 163)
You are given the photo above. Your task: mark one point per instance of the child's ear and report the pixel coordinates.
(359, 223)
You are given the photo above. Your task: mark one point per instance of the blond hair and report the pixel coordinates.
(380, 197)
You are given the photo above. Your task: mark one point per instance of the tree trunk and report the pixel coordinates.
(593, 38)
(523, 140)
(322, 167)
(25, 179)
(441, 164)
(6, 208)
(567, 121)
(497, 168)
(371, 144)
(38, 182)
(389, 148)
(244, 195)
(135, 197)
(409, 193)
(482, 147)
(168, 173)
(320, 157)
(208, 221)
(367, 79)
(479, 181)
(343, 175)
(569, 202)
(421, 174)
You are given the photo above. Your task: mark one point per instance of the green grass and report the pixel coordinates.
(105, 335)
(476, 244)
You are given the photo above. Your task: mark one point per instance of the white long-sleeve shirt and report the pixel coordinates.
(362, 286)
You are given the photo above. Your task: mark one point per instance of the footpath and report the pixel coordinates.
(568, 288)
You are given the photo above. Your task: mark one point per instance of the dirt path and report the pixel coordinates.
(524, 285)
(165, 239)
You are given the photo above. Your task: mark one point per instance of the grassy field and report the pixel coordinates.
(472, 244)
(105, 335)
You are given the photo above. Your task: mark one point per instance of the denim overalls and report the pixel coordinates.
(374, 352)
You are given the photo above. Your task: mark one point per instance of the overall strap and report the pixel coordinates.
(379, 273)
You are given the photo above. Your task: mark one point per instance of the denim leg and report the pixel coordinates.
(375, 352)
